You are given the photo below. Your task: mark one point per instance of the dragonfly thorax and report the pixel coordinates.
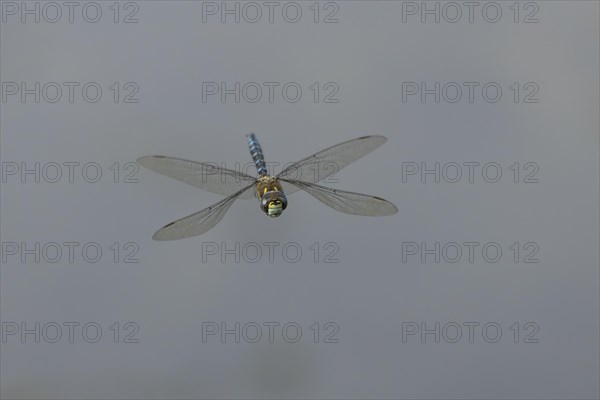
(271, 196)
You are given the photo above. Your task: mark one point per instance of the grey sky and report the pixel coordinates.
(377, 291)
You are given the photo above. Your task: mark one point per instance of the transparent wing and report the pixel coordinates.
(347, 202)
(325, 163)
(198, 223)
(201, 175)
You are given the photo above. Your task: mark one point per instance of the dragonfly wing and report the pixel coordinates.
(201, 175)
(348, 202)
(198, 223)
(325, 163)
(288, 187)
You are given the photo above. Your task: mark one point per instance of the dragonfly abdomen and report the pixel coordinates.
(257, 154)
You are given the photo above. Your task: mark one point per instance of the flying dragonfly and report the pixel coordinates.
(269, 190)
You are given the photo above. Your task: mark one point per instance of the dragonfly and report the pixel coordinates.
(270, 190)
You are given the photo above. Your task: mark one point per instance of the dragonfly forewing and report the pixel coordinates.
(330, 161)
(205, 176)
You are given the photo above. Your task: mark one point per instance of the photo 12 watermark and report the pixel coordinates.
(270, 252)
(470, 12)
(29, 172)
(469, 332)
(269, 332)
(314, 171)
(253, 12)
(469, 172)
(265, 92)
(470, 252)
(69, 92)
(69, 12)
(69, 332)
(470, 92)
(70, 252)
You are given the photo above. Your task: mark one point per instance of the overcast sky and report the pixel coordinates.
(513, 142)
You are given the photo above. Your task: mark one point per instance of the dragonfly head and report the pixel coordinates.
(273, 203)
